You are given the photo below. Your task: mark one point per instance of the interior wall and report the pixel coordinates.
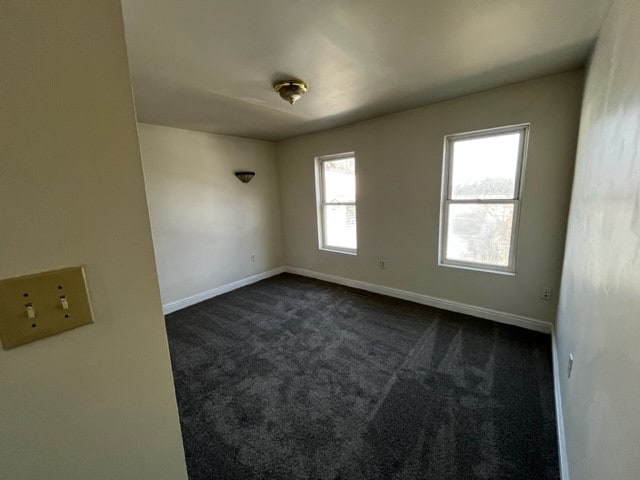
(206, 223)
(96, 402)
(598, 318)
(399, 173)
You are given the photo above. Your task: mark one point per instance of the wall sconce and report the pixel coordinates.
(245, 177)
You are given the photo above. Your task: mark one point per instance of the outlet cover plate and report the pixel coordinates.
(44, 292)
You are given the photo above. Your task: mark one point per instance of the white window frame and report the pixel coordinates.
(321, 203)
(516, 200)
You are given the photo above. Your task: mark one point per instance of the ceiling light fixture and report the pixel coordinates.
(291, 90)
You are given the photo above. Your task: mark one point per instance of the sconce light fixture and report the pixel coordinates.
(245, 177)
(291, 90)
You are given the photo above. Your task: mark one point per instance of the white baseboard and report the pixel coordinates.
(562, 446)
(214, 292)
(495, 315)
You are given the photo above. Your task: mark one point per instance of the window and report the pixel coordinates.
(481, 187)
(336, 194)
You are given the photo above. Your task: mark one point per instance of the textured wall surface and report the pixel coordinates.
(399, 173)
(206, 224)
(599, 313)
(96, 402)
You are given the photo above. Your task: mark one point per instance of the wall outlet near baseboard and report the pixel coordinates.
(570, 365)
(382, 264)
(545, 293)
(253, 258)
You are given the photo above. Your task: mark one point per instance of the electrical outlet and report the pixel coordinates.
(253, 258)
(570, 365)
(383, 264)
(545, 293)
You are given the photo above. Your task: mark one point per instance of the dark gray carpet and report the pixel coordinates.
(293, 378)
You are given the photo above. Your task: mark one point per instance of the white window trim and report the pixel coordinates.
(320, 203)
(445, 200)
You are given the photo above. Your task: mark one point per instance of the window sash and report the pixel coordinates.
(450, 140)
(325, 243)
(509, 268)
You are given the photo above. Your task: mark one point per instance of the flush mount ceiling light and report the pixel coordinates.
(291, 90)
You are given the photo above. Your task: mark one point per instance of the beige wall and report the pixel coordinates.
(206, 223)
(96, 402)
(599, 314)
(399, 171)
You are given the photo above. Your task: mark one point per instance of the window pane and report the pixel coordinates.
(485, 168)
(340, 226)
(339, 180)
(480, 233)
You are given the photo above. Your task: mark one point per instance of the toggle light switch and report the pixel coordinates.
(48, 295)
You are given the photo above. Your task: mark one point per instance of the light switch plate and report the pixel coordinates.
(46, 293)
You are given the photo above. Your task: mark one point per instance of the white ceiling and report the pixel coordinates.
(209, 64)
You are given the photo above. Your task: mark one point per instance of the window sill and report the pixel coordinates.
(338, 250)
(477, 268)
